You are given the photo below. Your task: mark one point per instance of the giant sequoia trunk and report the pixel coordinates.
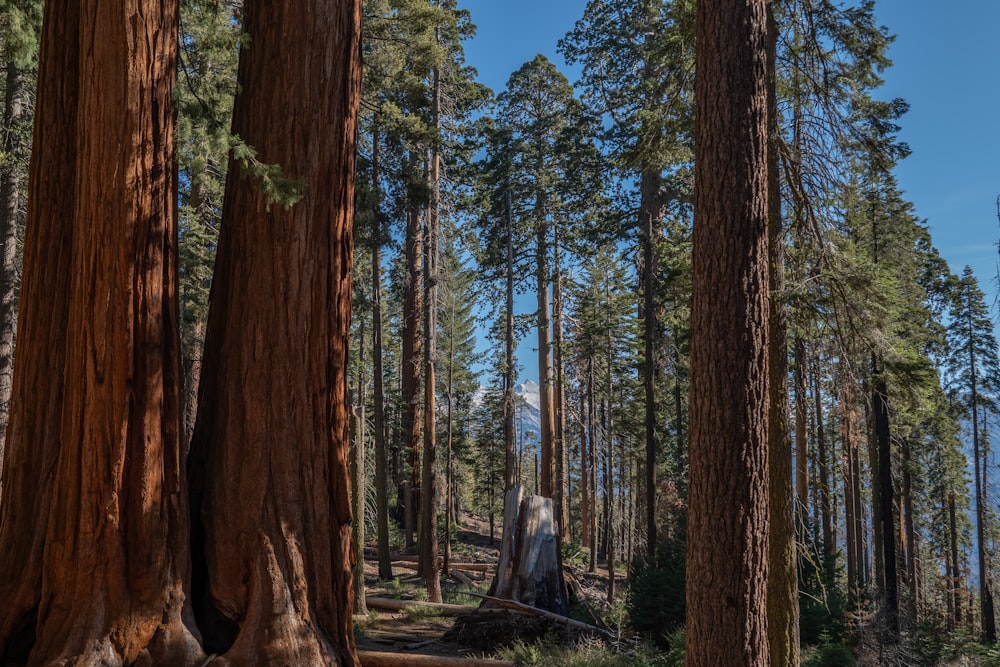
(94, 531)
(269, 455)
(727, 559)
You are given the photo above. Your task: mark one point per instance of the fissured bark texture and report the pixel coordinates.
(727, 563)
(94, 526)
(269, 454)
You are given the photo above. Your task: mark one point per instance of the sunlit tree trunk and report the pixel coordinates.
(270, 475)
(103, 363)
(727, 558)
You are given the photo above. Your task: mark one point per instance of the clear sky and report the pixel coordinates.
(946, 64)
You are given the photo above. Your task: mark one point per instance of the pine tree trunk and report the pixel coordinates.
(547, 481)
(782, 584)
(358, 480)
(887, 515)
(113, 550)
(986, 610)
(510, 445)
(412, 360)
(649, 187)
(801, 429)
(825, 501)
(727, 559)
(10, 205)
(378, 379)
(954, 578)
(269, 457)
(559, 397)
(584, 467)
(428, 533)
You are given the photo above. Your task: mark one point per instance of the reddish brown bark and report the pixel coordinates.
(109, 490)
(727, 561)
(270, 475)
(33, 430)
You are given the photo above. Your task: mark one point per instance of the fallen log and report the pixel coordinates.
(462, 577)
(468, 567)
(543, 613)
(383, 659)
(389, 604)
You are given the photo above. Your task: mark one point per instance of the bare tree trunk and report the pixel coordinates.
(269, 456)
(954, 577)
(108, 587)
(358, 481)
(728, 548)
(428, 537)
(559, 397)
(546, 409)
(584, 466)
(510, 444)
(378, 379)
(782, 584)
(412, 360)
(801, 429)
(826, 504)
(649, 187)
(880, 405)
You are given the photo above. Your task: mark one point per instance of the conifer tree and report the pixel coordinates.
(272, 581)
(975, 380)
(20, 26)
(727, 563)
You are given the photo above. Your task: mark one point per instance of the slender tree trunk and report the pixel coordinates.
(358, 479)
(886, 517)
(412, 359)
(449, 494)
(987, 615)
(10, 206)
(649, 213)
(728, 548)
(100, 360)
(509, 401)
(546, 408)
(610, 539)
(559, 397)
(584, 466)
(801, 429)
(848, 446)
(825, 495)
(782, 584)
(954, 578)
(909, 531)
(275, 529)
(378, 379)
(428, 537)
(592, 447)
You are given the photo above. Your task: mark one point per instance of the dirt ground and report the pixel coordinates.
(427, 633)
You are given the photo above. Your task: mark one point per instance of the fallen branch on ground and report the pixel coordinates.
(383, 659)
(528, 609)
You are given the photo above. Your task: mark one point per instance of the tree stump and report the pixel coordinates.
(530, 567)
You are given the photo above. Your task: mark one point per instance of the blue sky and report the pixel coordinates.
(946, 65)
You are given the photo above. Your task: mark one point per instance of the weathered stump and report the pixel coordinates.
(530, 567)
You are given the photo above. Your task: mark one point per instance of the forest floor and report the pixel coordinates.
(425, 631)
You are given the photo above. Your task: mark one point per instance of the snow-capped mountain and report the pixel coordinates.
(527, 418)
